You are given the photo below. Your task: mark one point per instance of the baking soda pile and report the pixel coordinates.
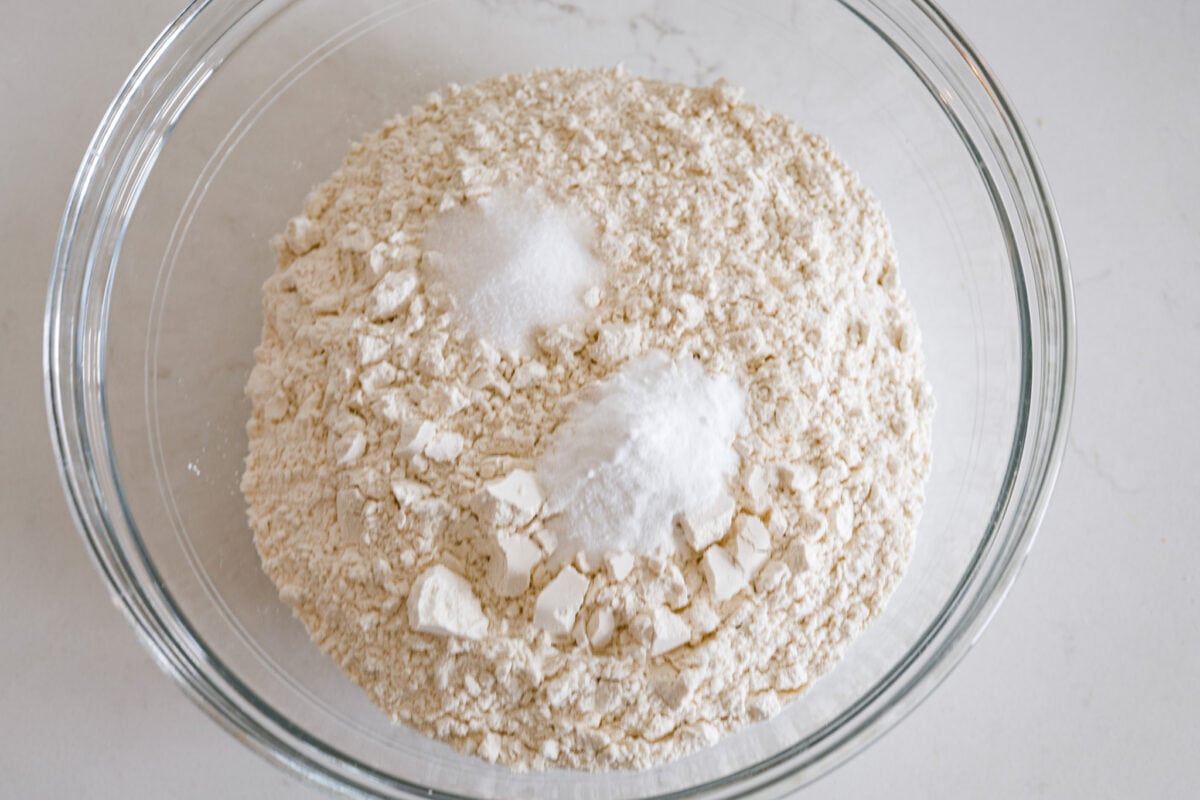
(652, 443)
(589, 418)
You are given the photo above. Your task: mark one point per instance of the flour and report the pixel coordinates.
(648, 444)
(401, 478)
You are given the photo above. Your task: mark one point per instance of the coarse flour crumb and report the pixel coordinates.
(392, 471)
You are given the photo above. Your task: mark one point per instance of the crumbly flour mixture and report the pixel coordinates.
(397, 475)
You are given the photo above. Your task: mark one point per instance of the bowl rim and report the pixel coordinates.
(105, 191)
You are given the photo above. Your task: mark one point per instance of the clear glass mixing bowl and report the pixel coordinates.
(241, 106)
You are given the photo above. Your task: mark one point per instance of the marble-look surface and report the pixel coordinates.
(1083, 686)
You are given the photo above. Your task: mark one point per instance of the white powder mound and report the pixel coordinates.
(651, 442)
(514, 264)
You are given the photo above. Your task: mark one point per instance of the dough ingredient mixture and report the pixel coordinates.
(589, 419)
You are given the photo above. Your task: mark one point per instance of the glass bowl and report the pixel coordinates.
(241, 106)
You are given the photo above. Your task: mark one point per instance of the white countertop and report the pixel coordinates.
(1083, 686)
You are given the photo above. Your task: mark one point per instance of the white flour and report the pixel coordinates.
(393, 469)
